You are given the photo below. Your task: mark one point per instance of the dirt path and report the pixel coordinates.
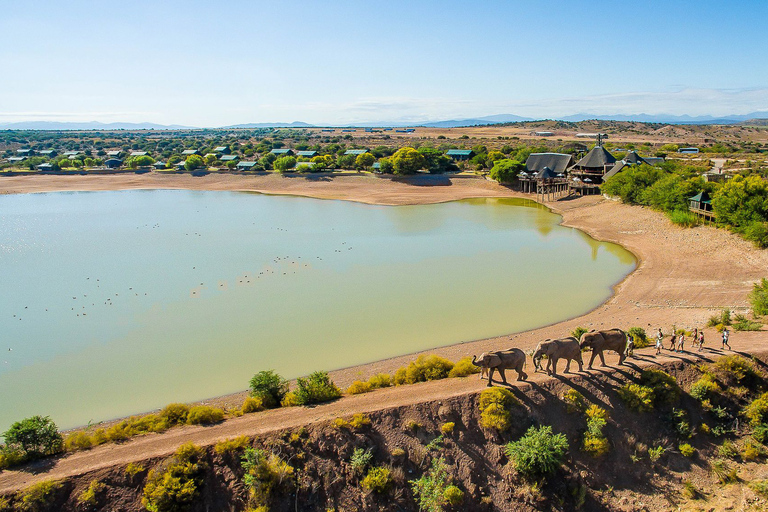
(159, 445)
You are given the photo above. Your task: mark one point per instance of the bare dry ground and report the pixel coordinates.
(683, 276)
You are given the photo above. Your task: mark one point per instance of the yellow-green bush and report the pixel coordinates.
(133, 469)
(686, 450)
(290, 400)
(377, 480)
(37, 497)
(231, 445)
(177, 486)
(664, 386)
(175, 414)
(119, 432)
(204, 415)
(637, 397)
(751, 450)
(757, 410)
(448, 427)
(359, 387)
(77, 440)
(494, 408)
(340, 423)
(704, 388)
(596, 446)
(252, 404)
(10, 457)
(734, 367)
(574, 401)
(91, 495)
(380, 380)
(359, 421)
(463, 368)
(265, 474)
(453, 495)
(424, 368)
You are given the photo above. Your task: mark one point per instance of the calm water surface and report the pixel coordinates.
(114, 303)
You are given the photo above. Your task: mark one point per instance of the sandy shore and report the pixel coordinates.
(683, 275)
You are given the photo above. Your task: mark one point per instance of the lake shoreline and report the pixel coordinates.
(682, 275)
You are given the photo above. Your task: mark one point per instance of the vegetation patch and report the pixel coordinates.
(377, 480)
(463, 368)
(92, 494)
(252, 404)
(495, 404)
(316, 388)
(595, 443)
(178, 485)
(38, 497)
(431, 491)
(204, 415)
(270, 387)
(636, 397)
(538, 453)
(232, 445)
(424, 368)
(758, 298)
(265, 475)
(574, 401)
(35, 437)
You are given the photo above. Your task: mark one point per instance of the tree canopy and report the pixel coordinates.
(36, 436)
(407, 161)
(506, 170)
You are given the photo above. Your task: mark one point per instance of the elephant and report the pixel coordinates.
(564, 348)
(500, 361)
(598, 341)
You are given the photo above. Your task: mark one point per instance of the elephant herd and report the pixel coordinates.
(564, 348)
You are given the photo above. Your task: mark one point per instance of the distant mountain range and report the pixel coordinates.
(759, 117)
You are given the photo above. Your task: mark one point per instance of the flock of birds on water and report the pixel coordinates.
(247, 278)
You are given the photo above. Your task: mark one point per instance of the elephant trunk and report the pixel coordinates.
(474, 361)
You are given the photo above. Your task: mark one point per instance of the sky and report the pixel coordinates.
(205, 63)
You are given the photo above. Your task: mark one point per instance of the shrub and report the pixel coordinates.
(723, 318)
(204, 415)
(39, 496)
(290, 400)
(742, 323)
(704, 388)
(10, 457)
(494, 408)
(664, 386)
(77, 440)
(724, 473)
(727, 450)
(175, 414)
(577, 332)
(760, 487)
(655, 453)
(734, 367)
(232, 445)
(380, 380)
(377, 480)
(686, 450)
(316, 388)
(264, 474)
(538, 453)
(574, 401)
(690, 491)
(453, 495)
(463, 368)
(760, 433)
(359, 387)
(757, 410)
(270, 387)
(595, 442)
(683, 218)
(360, 459)
(177, 486)
(448, 427)
(413, 425)
(359, 421)
(91, 495)
(133, 469)
(638, 334)
(751, 450)
(340, 423)
(36, 437)
(636, 397)
(424, 368)
(252, 404)
(430, 490)
(595, 446)
(758, 298)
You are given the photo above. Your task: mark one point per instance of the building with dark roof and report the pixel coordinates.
(355, 152)
(306, 153)
(160, 165)
(246, 165)
(282, 151)
(558, 162)
(189, 152)
(460, 154)
(25, 152)
(50, 153)
(113, 163)
(229, 158)
(222, 149)
(139, 153)
(594, 165)
(46, 167)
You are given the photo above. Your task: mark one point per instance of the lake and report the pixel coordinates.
(116, 303)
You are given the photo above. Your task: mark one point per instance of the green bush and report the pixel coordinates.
(724, 473)
(638, 334)
(133, 469)
(380, 380)
(377, 480)
(90, 496)
(204, 415)
(77, 440)
(655, 453)
(316, 388)
(636, 397)
(595, 442)
(430, 490)
(270, 387)
(760, 433)
(453, 495)
(574, 401)
(664, 386)
(10, 457)
(538, 453)
(494, 408)
(265, 474)
(176, 487)
(577, 332)
(686, 450)
(722, 318)
(252, 404)
(359, 387)
(683, 218)
(758, 298)
(232, 445)
(36, 437)
(175, 414)
(360, 459)
(757, 411)
(760, 487)
(727, 450)
(704, 388)
(742, 323)
(463, 368)
(734, 367)
(424, 368)
(38, 497)
(290, 400)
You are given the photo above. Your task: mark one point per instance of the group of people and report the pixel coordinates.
(677, 341)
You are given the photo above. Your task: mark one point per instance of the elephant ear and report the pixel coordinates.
(493, 360)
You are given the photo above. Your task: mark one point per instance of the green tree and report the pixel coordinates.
(270, 387)
(492, 157)
(211, 159)
(36, 436)
(742, 201)
(194, 162)
(284, 163)
(346, 161)
(407, 161)
(759, 298)
(506, 170)
(385, 166)
(538, 453)
(365, 160)
(141, 161)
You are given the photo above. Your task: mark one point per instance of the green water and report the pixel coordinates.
(114, 303)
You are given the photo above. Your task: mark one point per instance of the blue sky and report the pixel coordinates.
(207, 63)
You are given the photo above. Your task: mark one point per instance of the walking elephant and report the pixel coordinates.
(599, 341)
(564, 348)
(502, 360)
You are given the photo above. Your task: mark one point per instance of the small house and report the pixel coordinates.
(282, 151)
(229, 158)
(460, 154)
(24, 152)
(113, 163)
(50, 153)
(224, 150)
(594, 165)
(160, 165)
(306, 153)
(246, 165)
(70, 154)
(355, 152)
(189, 152)
(700, 201)
(46, 167)
(139, 153)
(17, 159)
(114, 153)
(688, 150)
(543, 134)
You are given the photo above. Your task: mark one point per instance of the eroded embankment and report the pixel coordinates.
(406, 440)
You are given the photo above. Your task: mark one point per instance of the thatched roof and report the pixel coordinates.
(633, 158)
(546, 174)
(558, 162)
(597, 158)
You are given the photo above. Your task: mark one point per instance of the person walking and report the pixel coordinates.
(630, 346)
(659, 339)
(681, 342)
(695, 337)
(672, 341)
(725, 338)
(701, 340)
